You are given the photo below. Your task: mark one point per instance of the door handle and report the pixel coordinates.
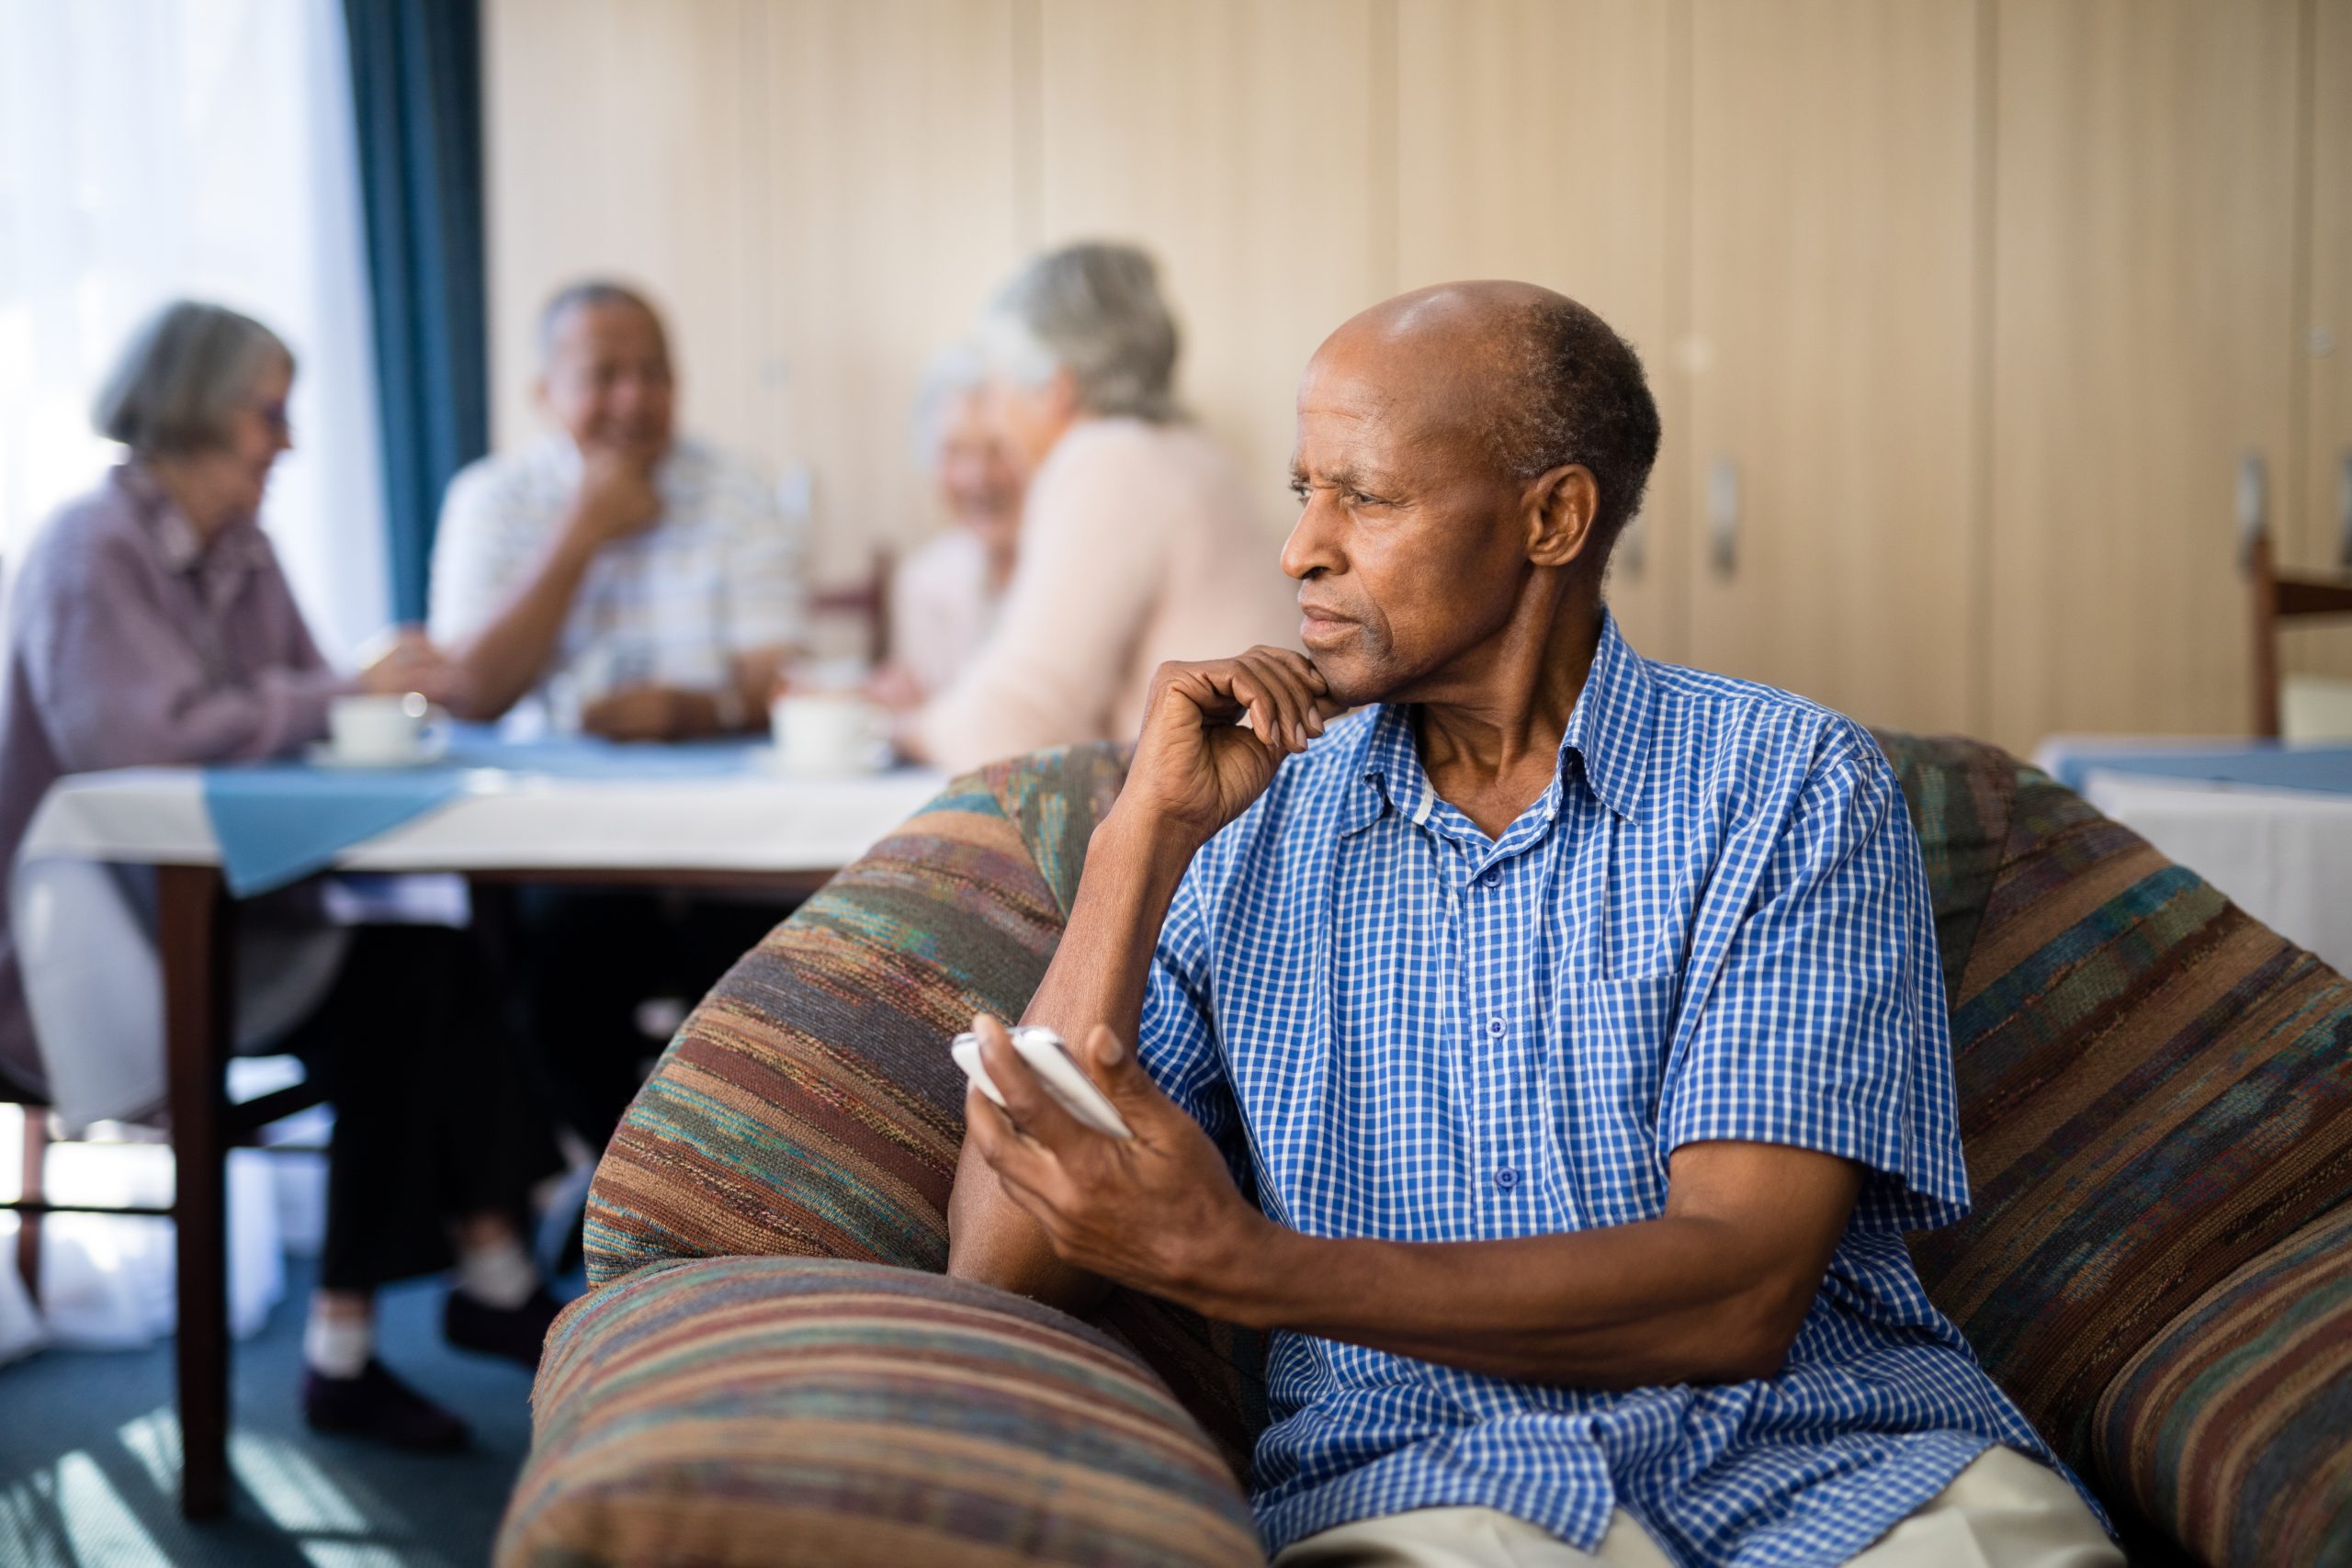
(2344, 513)
(2254, 506)
(1722, 517)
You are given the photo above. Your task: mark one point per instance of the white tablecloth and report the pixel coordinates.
(516, 821)
(89, 963)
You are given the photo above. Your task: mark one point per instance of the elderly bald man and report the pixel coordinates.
(1551, 1054)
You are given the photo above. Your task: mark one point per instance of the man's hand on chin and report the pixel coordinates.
(1158, 1212)
(1196, 768)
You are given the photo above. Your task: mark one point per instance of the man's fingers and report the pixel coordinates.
(1285, 675)
(1117, 1073)
(1257, 700)
(1014, 1158)
(1032, 1106)
(1283, 687)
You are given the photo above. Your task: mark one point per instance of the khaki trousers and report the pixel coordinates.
(2003, 1511)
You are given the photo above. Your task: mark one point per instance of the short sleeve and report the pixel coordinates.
(1824, 1026)
(1177, 1041)
(479, 551)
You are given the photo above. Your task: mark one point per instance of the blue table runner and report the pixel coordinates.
(280, 821)
(2324, 769)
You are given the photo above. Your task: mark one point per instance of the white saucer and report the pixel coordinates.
(323, 754)
(770, 760)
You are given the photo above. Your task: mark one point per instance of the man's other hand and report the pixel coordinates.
(1196, 767)
(650, 713)
(616, 498)
(411, 663)
(1158, 1211)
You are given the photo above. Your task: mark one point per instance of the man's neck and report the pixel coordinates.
(1490, 752)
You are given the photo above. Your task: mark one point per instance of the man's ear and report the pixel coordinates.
(1561, 506)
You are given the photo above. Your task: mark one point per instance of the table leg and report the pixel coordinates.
(198, 997)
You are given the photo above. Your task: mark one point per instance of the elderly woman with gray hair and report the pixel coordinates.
(1138, 544)
(149, 624)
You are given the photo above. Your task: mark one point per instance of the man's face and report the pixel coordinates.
(977, 477)
(608, 380)
(1411, 545)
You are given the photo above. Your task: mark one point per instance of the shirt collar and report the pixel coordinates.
(1609, 732)
(1614, 720)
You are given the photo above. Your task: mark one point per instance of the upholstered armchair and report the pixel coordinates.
(770, 1368)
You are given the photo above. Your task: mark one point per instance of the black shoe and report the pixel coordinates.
(516, 1333)
(379, 1407)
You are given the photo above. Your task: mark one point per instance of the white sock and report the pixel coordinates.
(338, 1347)
(497, 1274)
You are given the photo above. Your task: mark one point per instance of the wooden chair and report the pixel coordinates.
(869, 599)
(2278, 597)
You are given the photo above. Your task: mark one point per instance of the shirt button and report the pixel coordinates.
(1489, 877)
(1496, 1026)
(1506, 1178)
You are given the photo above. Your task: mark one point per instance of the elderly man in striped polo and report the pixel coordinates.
(1551, 1054)
(646, 586)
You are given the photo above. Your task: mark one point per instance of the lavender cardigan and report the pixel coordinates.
(132, 641)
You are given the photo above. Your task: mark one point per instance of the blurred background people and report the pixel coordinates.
(652, 582)
(944, 597)
(645, 577)
(1138, 544)
(150, 624)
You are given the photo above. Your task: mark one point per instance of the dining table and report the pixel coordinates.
(703, 815)
(2267, 822)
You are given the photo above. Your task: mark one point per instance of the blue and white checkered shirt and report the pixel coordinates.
(1713, 925)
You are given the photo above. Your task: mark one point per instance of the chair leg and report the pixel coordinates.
(36, 1165)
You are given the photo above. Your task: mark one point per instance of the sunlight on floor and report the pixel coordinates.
(71, 1514)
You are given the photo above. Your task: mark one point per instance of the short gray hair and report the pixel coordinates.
(182, 377)
(954, 373)
(1095, 311)
(586, 295)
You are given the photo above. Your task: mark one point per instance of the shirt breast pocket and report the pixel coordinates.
(1614, 1036)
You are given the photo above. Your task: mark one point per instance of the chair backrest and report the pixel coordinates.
(2281, 597)
(2154, 1088)
(867, 601)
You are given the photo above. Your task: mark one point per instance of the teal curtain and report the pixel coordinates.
(416, 97)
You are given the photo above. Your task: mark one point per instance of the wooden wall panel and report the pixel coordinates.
(1239, 141)
(887, 176)
(622, 137)
(1833, 319)
(2143, 236)
(1536, 140)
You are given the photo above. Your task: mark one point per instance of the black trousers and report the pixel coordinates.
(585, 959)
(435, 1113)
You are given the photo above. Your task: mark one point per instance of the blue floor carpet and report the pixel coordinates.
(89, 1445)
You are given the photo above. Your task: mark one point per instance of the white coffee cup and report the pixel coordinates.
(377, 727)
(825, 732)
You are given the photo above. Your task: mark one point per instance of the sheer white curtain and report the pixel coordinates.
(153, 149)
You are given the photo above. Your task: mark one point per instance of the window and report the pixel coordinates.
(151, 149)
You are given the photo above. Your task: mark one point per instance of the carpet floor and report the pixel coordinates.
(89, 1448)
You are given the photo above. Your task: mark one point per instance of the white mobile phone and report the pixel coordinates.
(1051, 1061)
